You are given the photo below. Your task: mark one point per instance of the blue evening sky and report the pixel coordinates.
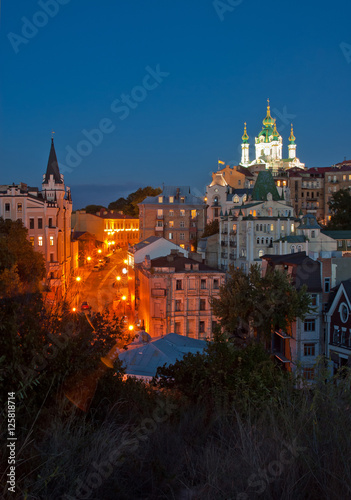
(218, 63)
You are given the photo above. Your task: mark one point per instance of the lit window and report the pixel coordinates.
(182, 213)
(31, 240)
(170, 236)
(171, 223)
(51, 241)
(40, 241)
(160, 199)
(171, 213)
(19, 207)
(171, 199)
(193, 214)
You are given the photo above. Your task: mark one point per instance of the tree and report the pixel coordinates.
(21, 268)
(211, 228)
(92, 209)
(255, 304)
(129, 206)
(340, 207)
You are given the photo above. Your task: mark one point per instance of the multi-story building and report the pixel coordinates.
(176, 214)
(47, 216)
(111, 228)
(229, 185)
(172, 295)
(300, 346)
(338, 326)
(248, 231)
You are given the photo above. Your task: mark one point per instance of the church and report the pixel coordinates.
(269, 147)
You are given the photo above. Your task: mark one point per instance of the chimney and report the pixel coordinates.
(177, 194)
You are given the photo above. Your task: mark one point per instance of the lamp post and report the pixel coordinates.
(78, 280)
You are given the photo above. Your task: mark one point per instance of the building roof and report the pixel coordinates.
(177, 192)
(178, 262)
(265, 184)
(306, 271)
(293, 238)
(142, 359)
(338, 235)
(309, 221)
(52, 166)
(146, 242)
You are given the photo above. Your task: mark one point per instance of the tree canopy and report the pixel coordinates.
(21, 268)
(92, 209)
(252, 303)
(129, 206)
(340, 208)
(211, 228)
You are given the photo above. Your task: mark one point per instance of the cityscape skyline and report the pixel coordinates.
(142, 96)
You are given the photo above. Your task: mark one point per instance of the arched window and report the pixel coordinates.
(262, 241)
(254, 213)
(292, 249)
(267, 241)
(261, 227)
(299, 248)
(236, 199)
(258, 241)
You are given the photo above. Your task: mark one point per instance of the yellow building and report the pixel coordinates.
(111, 228)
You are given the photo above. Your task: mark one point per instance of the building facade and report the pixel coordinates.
(47, 216)
(110, 228)
(176, 215)
(172, 295)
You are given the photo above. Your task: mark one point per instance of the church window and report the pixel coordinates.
(258, 241)
(292, 249)
(262, 241)
(267, 241)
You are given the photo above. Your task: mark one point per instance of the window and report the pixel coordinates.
(51, 257)
(159, 223)
(202, 305)
(292, 248)
(7, 207)
(202, 327)
(182, 199)
(182, 236)
(160, 213)
(171, 213)
(258, 241)
(308, 373)
(31, 240)
(326, 285)
(178, 305)
(160, 199)
(203, 284)
(344, 177)
(178, 328)
(19, 207)
(171, 223)
(51, 241)
(31, 223)
(171, 199)
(182, 213)
(272, 227)
(182, 223)
(309, 350)
(216, 284)
(344, 312)
(40, 241)
(170, 236)
(50, 221)
(40, 223)
(178, 284)
(336, 335)
(313, 234)
(314, 299)
(310, 325)
(193, 214)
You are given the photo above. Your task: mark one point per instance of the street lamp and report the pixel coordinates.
(130, 328)
(78, 278)
(124, 298)
(99, 251)
(88, 259)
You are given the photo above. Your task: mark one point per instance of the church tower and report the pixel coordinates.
(245, 148)
(292, 145)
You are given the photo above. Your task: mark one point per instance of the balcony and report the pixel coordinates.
(159, 228)
(158, 292)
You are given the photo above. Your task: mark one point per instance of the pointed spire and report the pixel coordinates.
(275, 131)
(292, 137)
(268, 121)
(245, 137)
(52, 167)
